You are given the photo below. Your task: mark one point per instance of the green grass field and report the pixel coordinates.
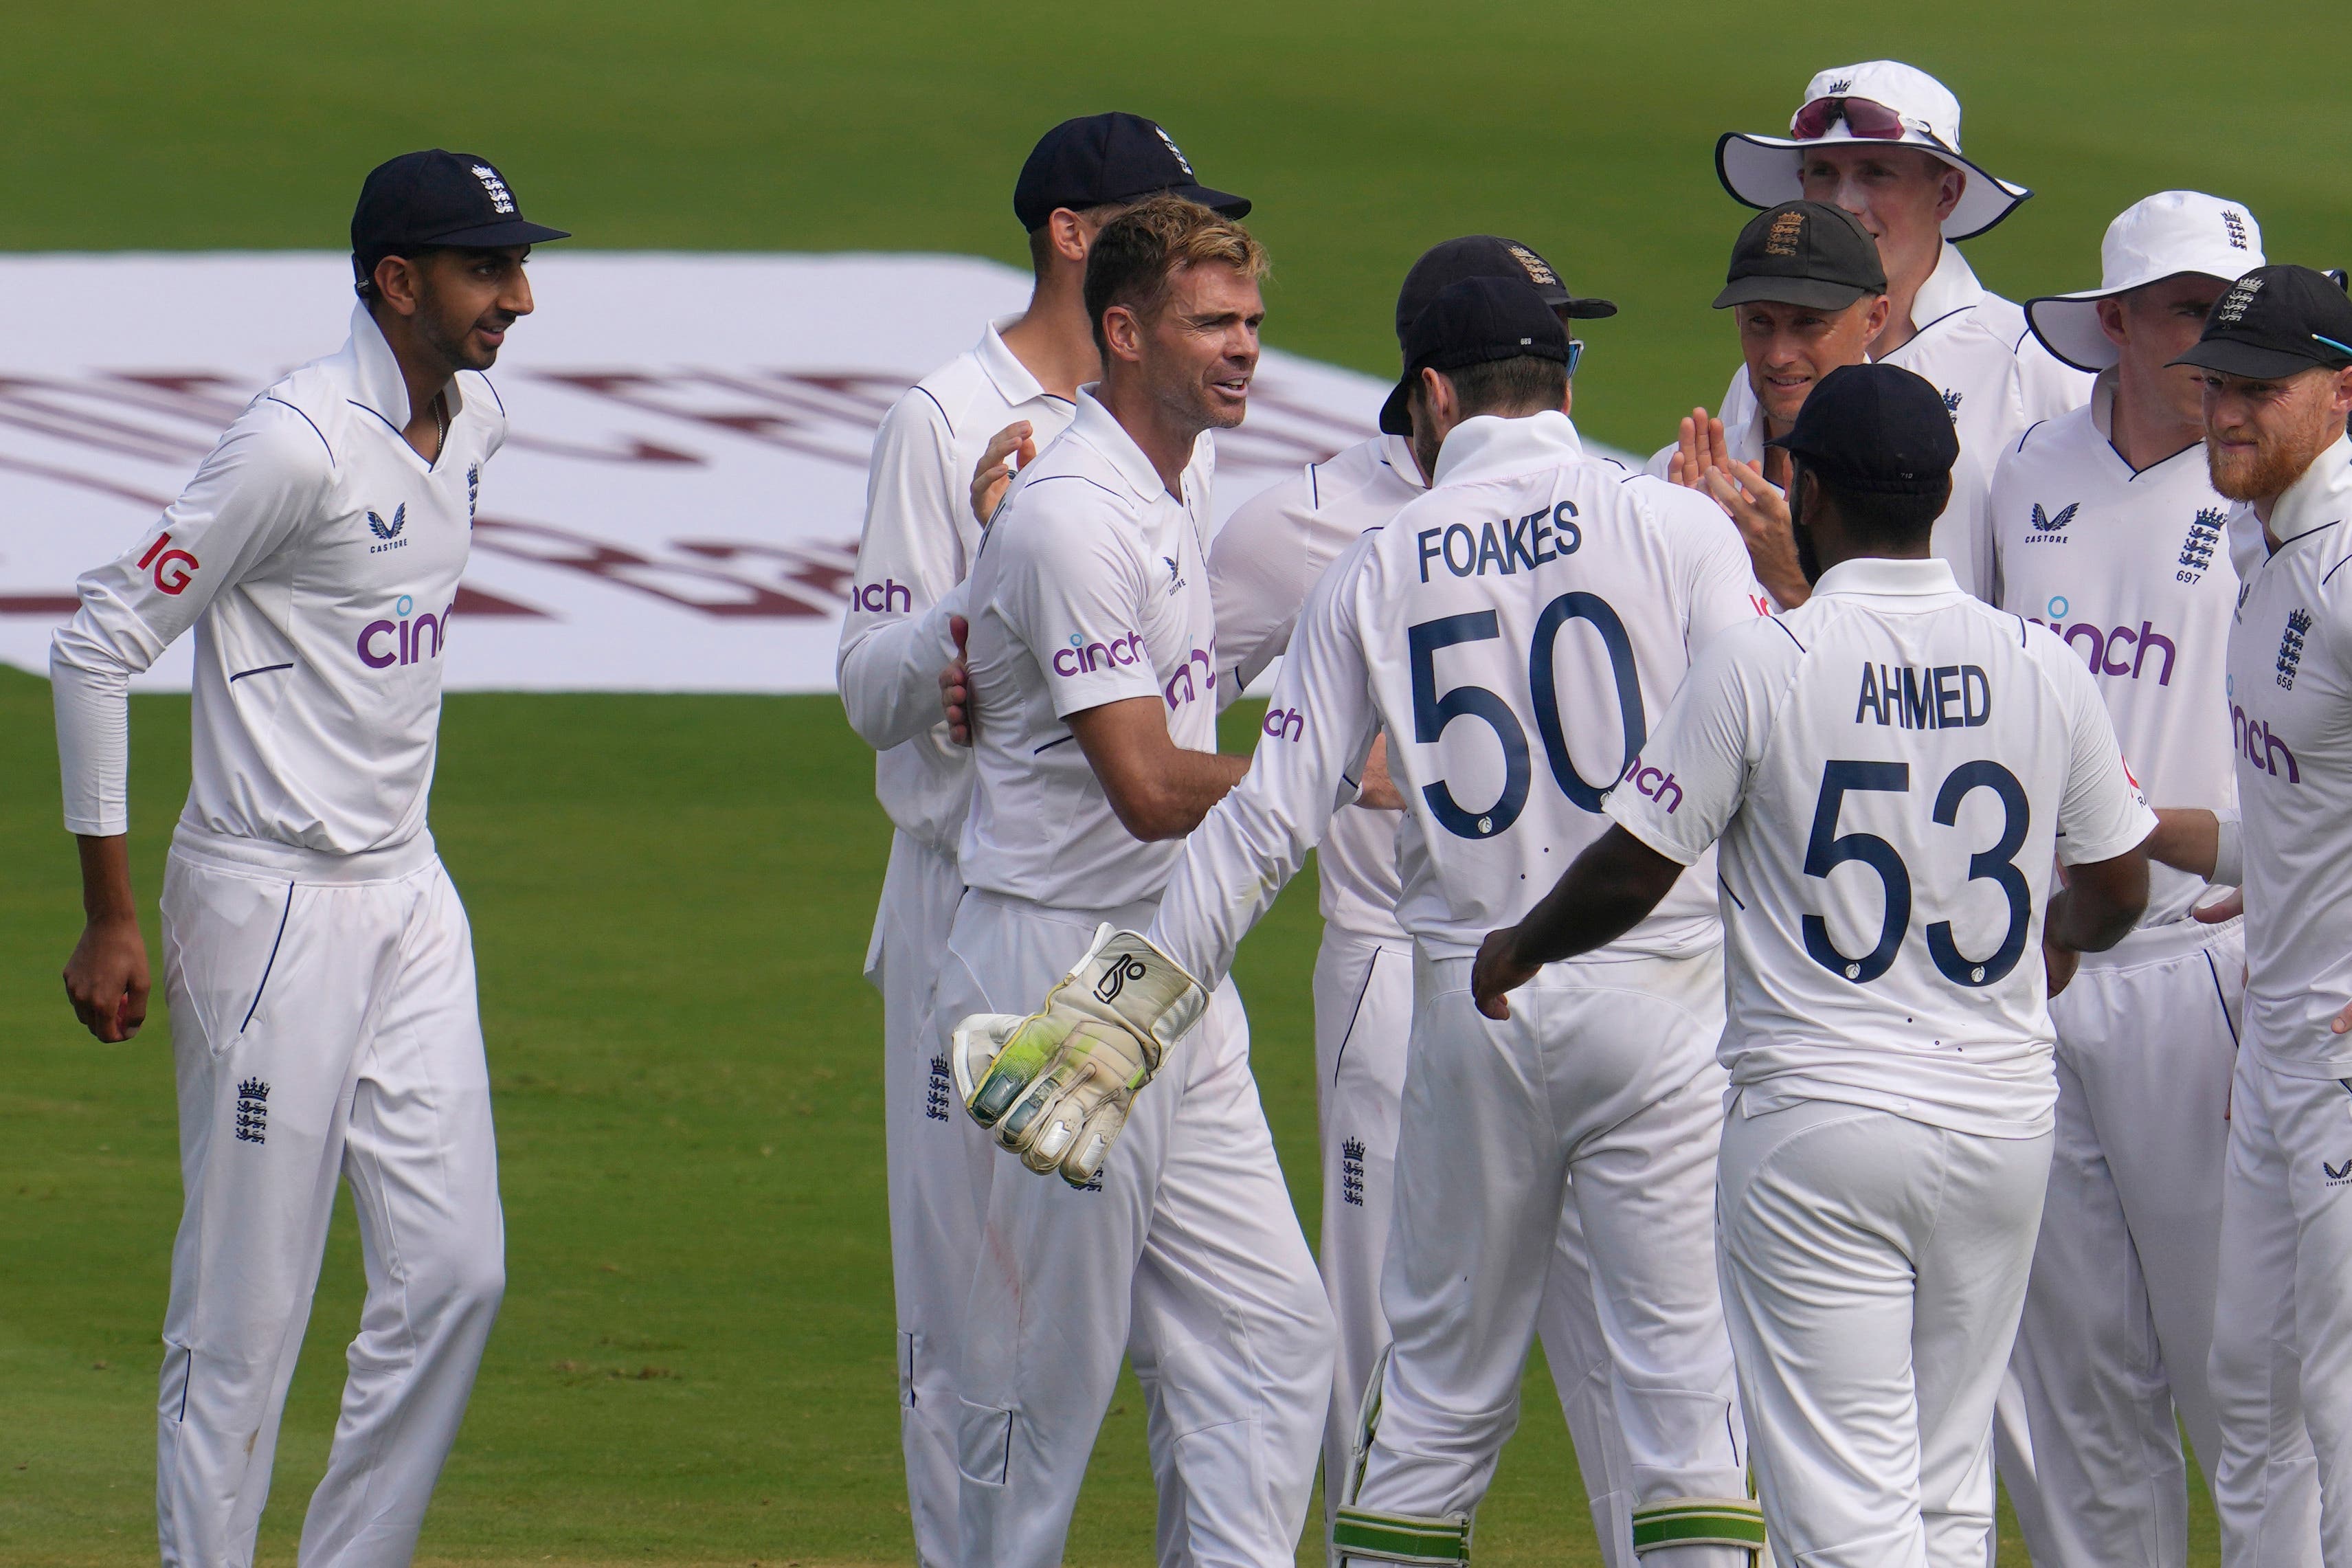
(671, 895)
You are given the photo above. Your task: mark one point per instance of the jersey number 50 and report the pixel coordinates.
(1828, 850)
(1431, 712)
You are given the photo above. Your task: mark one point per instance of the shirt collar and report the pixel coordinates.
(1397, 452)
(1487, 446)
(1002, 366)
(1877, 574)
(1093, 425)
(2323, 496)
(377, 384)
(1953, 285)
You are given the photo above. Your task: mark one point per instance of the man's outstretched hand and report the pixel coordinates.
(955, 685)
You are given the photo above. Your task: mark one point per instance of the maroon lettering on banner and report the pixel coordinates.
(621, 449)
(690, 583)
(824, 569)
(50, 606)
(828, 414)
(472, 601)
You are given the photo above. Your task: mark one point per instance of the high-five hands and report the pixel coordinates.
(1702, 461)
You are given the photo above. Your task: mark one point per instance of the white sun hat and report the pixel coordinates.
(2168, 233)
(1899, 106)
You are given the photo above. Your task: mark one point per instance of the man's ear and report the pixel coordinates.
(1444, 407)
(1954, 181)
(1065, 232)
(2344, 391)
(400, 283)
(1122, 334)
(1874, 323)
(2111, 319)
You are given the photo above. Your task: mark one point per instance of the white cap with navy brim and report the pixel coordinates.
(1761, 171)
(2170, 234)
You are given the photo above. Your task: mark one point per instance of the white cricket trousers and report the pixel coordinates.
(2281, 1365)
(1873, 1272)
(1600, 1091)
(1363, 1024)
(1189, 1258)
(940, 1167)
(2118, 1322)
(323, 1028)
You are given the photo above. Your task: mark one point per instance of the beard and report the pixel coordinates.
(2257, 474)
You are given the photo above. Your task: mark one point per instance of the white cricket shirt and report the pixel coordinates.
(2129, 570)
(1514, 632)
(1091, 586)
(918, 545)
(1995, 378)
(317, 557)
(1890, 767)
(1261, 565)
(2290, 686)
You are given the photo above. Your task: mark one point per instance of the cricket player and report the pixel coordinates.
(2276, 361)
(1807, 293)
(2107, 531)
(1092, 675)
(1883, 141)
(1261, 567)
(316, 957)
(1890, 767)
(1509, 631)
(918, 539)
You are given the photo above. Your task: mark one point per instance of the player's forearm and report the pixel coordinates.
(1606, 892)
(2188, 838)
(106, 895)
(1232, 865)
(1168, 800)
(2100, 904)
(890, 675)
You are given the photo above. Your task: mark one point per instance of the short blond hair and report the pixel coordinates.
(1139, 251)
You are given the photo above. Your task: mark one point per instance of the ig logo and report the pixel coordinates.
(169, 576)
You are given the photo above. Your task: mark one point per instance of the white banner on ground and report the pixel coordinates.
(677, 506)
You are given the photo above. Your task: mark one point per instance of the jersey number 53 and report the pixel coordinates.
(1827, 849)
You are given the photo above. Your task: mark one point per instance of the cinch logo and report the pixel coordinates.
(2098, 644)
(1183, 678)
(1655, 783)
(886, 595)
(1082, 658)
(1285, 723)
(2260, 745)
(1535, 539)
(408, 644)
(169, 577)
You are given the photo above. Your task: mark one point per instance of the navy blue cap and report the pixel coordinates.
(422, 200)
(2276, 322)
(1476, 321)
(1101, 159)
(1875, 427)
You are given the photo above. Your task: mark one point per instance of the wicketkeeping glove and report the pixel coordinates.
(1056, 1086)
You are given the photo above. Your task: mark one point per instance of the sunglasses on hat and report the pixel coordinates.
(1865, 118)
